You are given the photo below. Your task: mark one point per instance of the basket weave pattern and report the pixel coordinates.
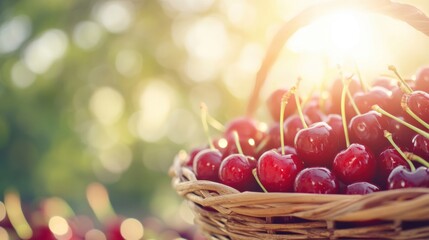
(222, 212)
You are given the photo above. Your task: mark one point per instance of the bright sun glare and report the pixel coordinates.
(341, 35)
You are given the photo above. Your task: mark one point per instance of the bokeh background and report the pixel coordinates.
(109, 91)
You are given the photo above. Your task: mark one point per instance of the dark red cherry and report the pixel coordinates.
(316, 180)
(361, 188)
(288, 150)
(248, 145)
(376, 95)
(313, 112)
(388, 160)
(291, 127)
(421, 146)
(355, 164)
(418, 102)
(274, 102)
(245, 127)
(394, 106)
(274, 136)
(192, 154)
(335, 93)
(385, 82)
(336, 123)
(402, 135)
(277, 172)
(401, 177)
(206, 165)
(368, 129)
(317, 145)
(422, 79)
(236, 171)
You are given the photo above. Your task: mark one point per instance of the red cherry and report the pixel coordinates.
(245, 127)
(274, 102)
(422, 79)
(368, 129)
(274, 137)
(385, 82)
(355, 164)
(192, 154)
(361, 188)
(418, 102)
(317, 145)
(335, 93)
(313, 112)
(247, 145)
(402, 135)
(316, 180)
(420, 146)
(376, 95)
(388, 160)
(394, 106)
(236, 171)
(288, 150)
(291, 127)
(401, 177)
(277, 172)
(206, 165)
(336, 123)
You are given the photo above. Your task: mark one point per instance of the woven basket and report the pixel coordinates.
(222, 212)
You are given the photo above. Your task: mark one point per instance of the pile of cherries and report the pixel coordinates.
(357, 140)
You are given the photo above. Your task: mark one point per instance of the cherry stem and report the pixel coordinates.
(262, 144)
(414, 128)
(349, 95)
(215, 123)
(395, 71)
(203, 107)
(284, 101)
(343, 110)
(363, 85)
(404, 105)
(417, 158)
(237, 142)
(298, 105)
(388, 135)
(258, 181)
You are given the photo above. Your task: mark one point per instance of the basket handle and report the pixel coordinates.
(407, 13)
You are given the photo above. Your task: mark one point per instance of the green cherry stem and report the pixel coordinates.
(298, 107)
(395, 71)
(416, 158)
(349, 95)
(343, 110)
(362, 83)
(237, 142)
(404, 105)
(203, 107)
(215, 123)
(414, 128)
(255, 175)
(388, 135)
(285, 99)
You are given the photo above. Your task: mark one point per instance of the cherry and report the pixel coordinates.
(385, 82)
(420, 145)
(206, 164)
(313, 112)
(336, 123)
(401, 134)
(192, 154)
(335, 91)
(274, 102)
(291, 127)
(273, 137)
(245, 127)
(367, 129)
(316, 180)
(422, 79)
(317, 145)
(388, 160)
(287, 149)
(236, 171)
(247, 145)
(401, 177)
(376, 95)
(355, 164)
(277, 172)
(361, 188)
(418, 102)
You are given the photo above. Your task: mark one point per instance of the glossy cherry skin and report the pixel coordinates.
(316, 180)
(388, 160)
(274, 104)
(206, 165)
(402, 135)
(313, 112)
(336, 123)
(274, 136)
(361, 188)
(420, 146)
(376, 95)
(236, 171)
(368, 129)
(422, 79)
(401, 177)
(317, 145)
(245, 127)
(418, 102)
(355, 164)
(291, 127)
(277, 172)
(192, 154)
